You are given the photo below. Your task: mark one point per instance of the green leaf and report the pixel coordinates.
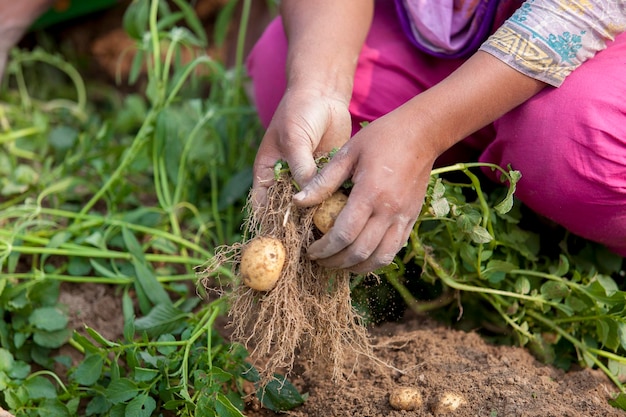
(577, 304)
(140, 406)
(522, 285)
(78, 266)
(6, 360)
(225, 408)
(62, 138)
(135, 20)
(562, 267)
(89, 370)
(72, 406)
(39, 387)
(52, 340)
(97, 406)
(192, 20)
(440, 207)
(163, 318)
(619, 401)
(236, 188)
(609, 285)
(145, 374)
(128, 311)
(552, 290)
(280, 395)
(222, 23)
(607, 333)
(53, 408)
(121, 390)
(496, 270)
(132, 244)
(480, 235)
(19, 370)
(97, 337)
(621, 334)
(149, 284)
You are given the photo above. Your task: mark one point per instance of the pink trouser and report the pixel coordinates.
(569, 142)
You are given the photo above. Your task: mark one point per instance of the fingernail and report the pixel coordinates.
(299, 196)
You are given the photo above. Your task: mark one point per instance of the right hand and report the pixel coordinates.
(305, 123)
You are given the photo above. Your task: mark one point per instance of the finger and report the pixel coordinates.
(349, 224)
(395, 238)
(301, 165)
(362, 248)
(263, 174)
(327, 181)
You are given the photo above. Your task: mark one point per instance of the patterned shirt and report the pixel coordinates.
(547, 40)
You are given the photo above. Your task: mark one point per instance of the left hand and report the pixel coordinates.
(389, 165)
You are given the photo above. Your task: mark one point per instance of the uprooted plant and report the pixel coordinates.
(283, 303)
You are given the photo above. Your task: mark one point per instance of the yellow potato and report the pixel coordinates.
(405, 398)
(327, 212)
(262, 263)
(447, 403)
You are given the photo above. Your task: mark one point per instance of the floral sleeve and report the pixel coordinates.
(547, 40)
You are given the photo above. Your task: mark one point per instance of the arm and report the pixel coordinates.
(389, 187)
(325, 38)
(15, 18)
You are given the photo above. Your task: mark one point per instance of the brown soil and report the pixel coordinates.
(495, 381)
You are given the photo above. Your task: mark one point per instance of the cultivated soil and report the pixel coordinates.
(495, 381)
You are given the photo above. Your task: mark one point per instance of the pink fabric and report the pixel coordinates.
(569, 143)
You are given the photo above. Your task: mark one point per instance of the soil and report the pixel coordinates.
(494, 381)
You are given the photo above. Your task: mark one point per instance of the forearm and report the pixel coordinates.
(478, 93)
(325, 38)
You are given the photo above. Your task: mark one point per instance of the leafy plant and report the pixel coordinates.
(563, 307)
(130, 191)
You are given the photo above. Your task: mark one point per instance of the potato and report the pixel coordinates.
(326, 213)
(405, 398)
(447, 403)
(262, 261)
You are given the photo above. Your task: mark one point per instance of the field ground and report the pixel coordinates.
(494, 380)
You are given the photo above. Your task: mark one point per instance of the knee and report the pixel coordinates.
(571, 150)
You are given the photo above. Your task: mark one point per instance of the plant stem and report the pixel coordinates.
(418, 307)
(579, 345)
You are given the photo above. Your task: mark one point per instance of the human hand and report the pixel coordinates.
(306, 122)
(389, 164)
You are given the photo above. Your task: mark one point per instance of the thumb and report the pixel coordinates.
(326, 182)
(302, 167)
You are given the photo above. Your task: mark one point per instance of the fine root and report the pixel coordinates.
(309, 313)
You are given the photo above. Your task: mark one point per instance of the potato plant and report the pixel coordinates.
(132, 191)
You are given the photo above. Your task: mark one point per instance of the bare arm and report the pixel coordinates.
(325, 38)
(389, 187)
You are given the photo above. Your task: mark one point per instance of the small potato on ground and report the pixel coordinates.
(405, 398)
(327, 212)
(262, 263)
(448, 403)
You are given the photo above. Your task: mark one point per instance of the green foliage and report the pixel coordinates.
(565, 306)
(132, 191)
